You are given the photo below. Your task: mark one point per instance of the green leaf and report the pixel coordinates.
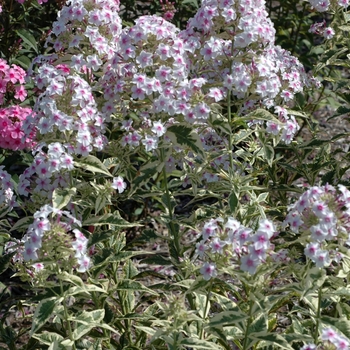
(340, 111)
(86, 321)
(227, 318)
(5, 261)
(22, 224)
(48, 338)
(61, 197)
(28, 39)
(269, 153)
(270, 339)
(199, 344)
(109, 219)
(97, 237)
(233, 202)
(261, 114)
(185, 136)
(130, 285)
(157, 260)
(43, 312)
(93, 164)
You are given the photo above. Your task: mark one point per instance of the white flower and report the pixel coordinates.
(119, 184)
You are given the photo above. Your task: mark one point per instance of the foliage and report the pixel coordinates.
(169, 200)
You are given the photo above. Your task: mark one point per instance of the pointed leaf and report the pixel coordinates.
(93, 164)
(185, 136)
(43, 312)
(61, 197)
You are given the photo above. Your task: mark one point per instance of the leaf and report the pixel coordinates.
(233, 202)
(22, 224)
(270, 339)
(261, 114)
(157, 260)
(61, 197)
(93, 164)
(185, 136)
(43, 312)
(28, 39)
(109, 219)
(86, 321)
(227, 318)
(340, 111)
(199, 344)
(130, 285)
(269, 153)
(48, 338)
(5, 261)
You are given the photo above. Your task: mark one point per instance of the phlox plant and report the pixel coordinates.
(149, 112)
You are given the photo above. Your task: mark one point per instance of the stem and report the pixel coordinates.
(229, 117)
(173, 231)
(206, 308)
(318, 316)
(250, 319)
(66, 316)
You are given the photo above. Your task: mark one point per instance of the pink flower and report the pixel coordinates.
(208, 270)
(119, 184)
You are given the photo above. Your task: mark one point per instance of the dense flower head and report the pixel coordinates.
(250, 67)
(12, 79)
(12, 134)
(330, 336)
(87, 24)
(229, 239)
(322, 214)
(49, 231)
(148, 77)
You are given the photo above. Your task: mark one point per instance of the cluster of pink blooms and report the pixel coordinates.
(11, 81)
(50, 223)
(7, 197)
(330, 336)
(12, 117)
(221, 240)
(11, 128)
(321, 215)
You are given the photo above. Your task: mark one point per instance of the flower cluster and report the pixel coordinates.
(50, 225)
(231, 240)
(11, 82)
(320, 28)
(11, 128)
(330, 336)
(321, 215)
(12, 79)
(324, 5)
(7, 196)
(250, 67)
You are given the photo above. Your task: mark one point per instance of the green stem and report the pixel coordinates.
(250, 320)
(318, 316)
(206, 308)
(173, 231)
(66, 316)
